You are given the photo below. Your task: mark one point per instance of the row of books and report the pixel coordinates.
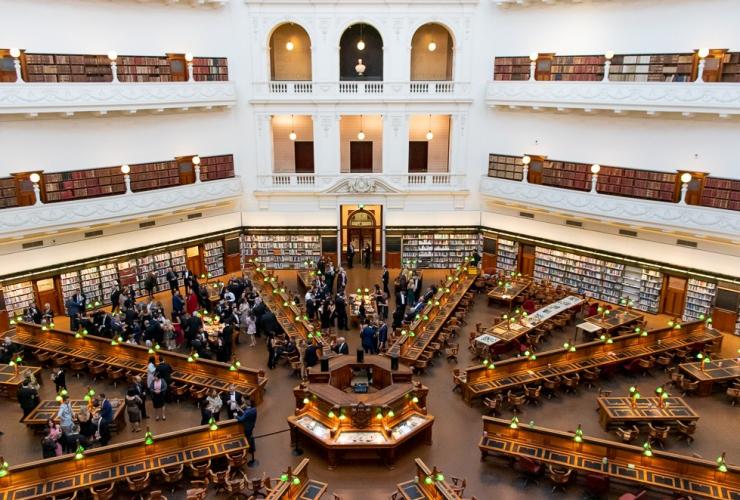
(447, 248)
(507, 254)
(699, 299)
(282, 251)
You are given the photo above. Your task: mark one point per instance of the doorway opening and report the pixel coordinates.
(362, 227)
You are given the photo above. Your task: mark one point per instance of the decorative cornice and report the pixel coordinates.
(108, 209)
(69, 98)
(378, 184)
(674, 216)
(722, 99)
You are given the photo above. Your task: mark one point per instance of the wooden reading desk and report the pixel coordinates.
(507, 294)
(131, 357)
(294, 484)
(716, 371)
(306, 277)
(619, 410)
(617, 318)
(48, 409)
(427, 485)
(276, 297)
(516, 372)
(10, 381)
(113, 463)
(420, 333)
(507, 331)
(340, 420)
(622, 462)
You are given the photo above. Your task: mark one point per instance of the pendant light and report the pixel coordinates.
(361, 134)
(430, 135)
(292, 134)
(289, 46)
(432, 46)
(361, 43)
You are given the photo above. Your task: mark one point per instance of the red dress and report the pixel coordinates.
(192, 303)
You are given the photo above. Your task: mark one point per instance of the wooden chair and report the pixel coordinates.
(420, 366)
(105, 492)
(645, 364)
(515, 401)
(114, 375)
(68, 496)
(237, 460)
(156, 495)
(43, 357)
(237, 485)
(493, 404)
(633, 496)
(532, 394)
(658, 434)
(458, 485)
(628, 435)
(590, 377)
(733, 395)
(459, 378)
(220, 478)
(676, 377)
(199, 470)
(452, 351)
(138, 484)
(198, 394)
(197, 491)
(559, 478)
(664, 362)
(60, 360)
(688, 387)
(686, 431)
(77, 366)
(530, 469)
(570, 384)
(96, 369)
(550, 386)
(173, 475)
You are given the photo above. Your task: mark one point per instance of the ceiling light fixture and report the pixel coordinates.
(289, 46)
(361, 43)
(432, 46)
(361, 134)
(292, 134)
(430, 135)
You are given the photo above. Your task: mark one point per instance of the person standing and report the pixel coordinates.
(150, 283)
(171, 277)
(115, 296)
(212, 407)
(133, 409)
(178, 304)
(158, 390)
(385, 277)
(106, 419)
(75, 308)
(368, 255)
(232, 400)
(140, 388)
(350, 255)
(367, 335)
(341, 311)
(28, 397)
(248, 418)
(330, 275)
(59, 378)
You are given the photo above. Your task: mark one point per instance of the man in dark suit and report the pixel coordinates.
(139, 387)
(341, 280)
(368, 339)
(28, 397)
(350, 254)
(106, 419)
(233, 400)
(164, 370)
(340, 304)
(311, 356)
(382, 336)
(248, 418)
(341, 346)
(171, 277)
(385, 278)
(75, 307)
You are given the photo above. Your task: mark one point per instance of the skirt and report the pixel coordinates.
(158, 399)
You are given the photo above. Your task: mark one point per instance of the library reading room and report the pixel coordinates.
(369, 249)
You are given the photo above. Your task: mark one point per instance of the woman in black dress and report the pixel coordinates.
(158, 390)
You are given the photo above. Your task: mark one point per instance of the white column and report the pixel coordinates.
(395, 143)
(458, 150)
(264, 149)
(326, 143)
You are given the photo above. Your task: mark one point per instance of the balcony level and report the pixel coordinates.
(363, 91)
(65, 85)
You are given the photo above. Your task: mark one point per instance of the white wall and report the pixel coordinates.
(283, 148)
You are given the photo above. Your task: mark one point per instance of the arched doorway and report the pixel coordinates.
(431, 53)
(290, 53)
(362, 225)
(361, 53)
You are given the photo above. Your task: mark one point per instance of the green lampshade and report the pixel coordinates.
(283, 477)
(212, 425)
(79, 452)
(414, 400)
(296, 480)
(428, 480)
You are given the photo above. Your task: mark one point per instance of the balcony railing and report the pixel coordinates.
(344, 90)
(88, 211)
(632, 211)
(359, 183)
(66, 99)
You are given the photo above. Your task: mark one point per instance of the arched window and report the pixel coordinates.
(290, 53)
(431, 53)
(361, 53)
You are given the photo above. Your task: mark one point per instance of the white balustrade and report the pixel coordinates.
(342, 90)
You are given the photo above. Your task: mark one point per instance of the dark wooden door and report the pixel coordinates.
(534, 175)
(418, 156)
(361, 157)
(304, 157)
(186, 171)
(674, 295)
(194, 260)
(360, 238)
(526, 261)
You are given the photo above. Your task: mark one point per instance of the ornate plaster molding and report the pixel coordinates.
(721, 99)
(52, 216)
(702, 220)
(66, 98)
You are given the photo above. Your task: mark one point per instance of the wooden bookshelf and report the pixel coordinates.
(214, 257)
(216, 167)
(143, 69)
(147, 176)
(78, 184)
(507, 254)
(699, 299)
(210, 69)
(505, 167)
(577, 68)
(731, 67)
(438, 250)
(282, 251)
(511, 68)
(8, 193)
(637, 183)
(568, 175)
(652, 68)
(721, 193)
(58, 68)
(7, 66)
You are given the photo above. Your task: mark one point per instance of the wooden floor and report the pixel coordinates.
(456, 432)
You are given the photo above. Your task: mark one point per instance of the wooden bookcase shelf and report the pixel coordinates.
(438, 250)
(637, 183)
(566, 175)
(505, 167)
(214, 257)
(652, 68)
(511, 68)
(731, 67)
(143, 69)
(721, 193)
(8, 193)
(78, 184)
(147, 176)
(507, 254)
(282, 251)
(577, 68)
(210, 69)
(57, 68)
(217, 167)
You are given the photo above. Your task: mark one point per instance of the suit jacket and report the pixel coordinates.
(226, 398)
(248, 419)
(28, 397)
(311, 357)
(386, 276)
(106, 411)
(342, 348)
(350, 249)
